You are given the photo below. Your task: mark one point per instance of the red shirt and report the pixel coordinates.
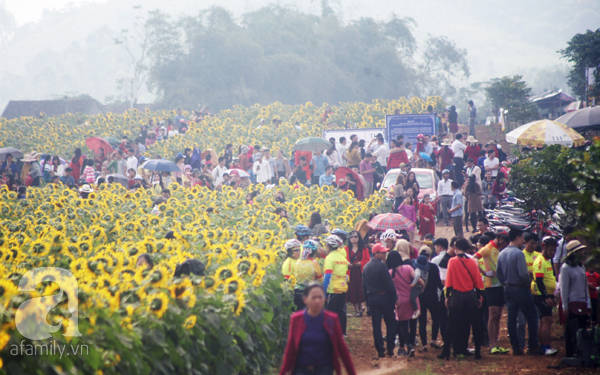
(463, 278)
(334, 331)
(473, 152)
(363, 261)
(446, 155)
(308, 156)
(593, 283)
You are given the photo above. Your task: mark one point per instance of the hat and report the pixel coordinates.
(471, 139)
(236, 159)
(138, 177)
(142, 159)
(379, 248)
(245, 149)
(573, 247)
(179, 155)
(445, 171)
(86, 189)
(425, 249)
(187, 167)
(492, 143)
(446, 142)
(420, 136)
(33, 156)
(195, 170)
(421, 263)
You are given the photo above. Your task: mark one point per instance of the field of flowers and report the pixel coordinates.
(239, 126)
(138, 321)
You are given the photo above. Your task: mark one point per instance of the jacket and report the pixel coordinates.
(334, 331)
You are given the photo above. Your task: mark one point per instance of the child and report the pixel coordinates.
(407, 210)
(421, 267)
(426, 213)
(89, 173)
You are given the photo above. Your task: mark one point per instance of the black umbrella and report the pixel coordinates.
(582, 120)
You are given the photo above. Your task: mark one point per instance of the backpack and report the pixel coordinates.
(588, 346)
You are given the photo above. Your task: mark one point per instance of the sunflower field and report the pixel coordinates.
(135, 320)
(239, 126)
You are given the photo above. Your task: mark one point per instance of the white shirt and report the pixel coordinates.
(333, 158)
(60, 171)
(342, 149)
(487, 163)
(264, 173)
(445, 188)
(409, 154)
(132, 163)
(218, 173)
(475, 170)
(436, 261)
(458, 148)
(382, 154)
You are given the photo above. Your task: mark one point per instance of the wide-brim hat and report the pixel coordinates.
(446, 142)
(471, 139)
(421, 263)
(86, 189)
(32, 156)
(573, 247)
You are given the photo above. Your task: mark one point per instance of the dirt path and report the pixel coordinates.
(360, 342)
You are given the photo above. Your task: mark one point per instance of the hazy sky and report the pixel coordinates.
(31, 10)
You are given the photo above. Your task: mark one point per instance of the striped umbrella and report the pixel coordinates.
(390, 221)
(545, 132)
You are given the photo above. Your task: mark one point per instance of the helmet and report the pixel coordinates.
(292, 244)
(310, 244)
(334, 241)
(342, 234)
(388, 234)
(302, 230)
(549, 240)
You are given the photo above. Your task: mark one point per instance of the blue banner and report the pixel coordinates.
(409, 126)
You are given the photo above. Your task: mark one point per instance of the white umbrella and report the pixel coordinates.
(544, 132)
(239, 172)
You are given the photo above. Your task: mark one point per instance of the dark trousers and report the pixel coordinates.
(432, 306)
(572, 325)
(405, 334)
(443, 315)
(381, 306)
(594, 302)
(457, 224)
(458, 167)
(337, 304)
(315, 180)
(520, 298)
(460, 321)
(484, 314)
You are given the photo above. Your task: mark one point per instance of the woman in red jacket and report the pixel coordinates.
(315, 342)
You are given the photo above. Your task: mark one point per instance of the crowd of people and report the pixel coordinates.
(463, 283)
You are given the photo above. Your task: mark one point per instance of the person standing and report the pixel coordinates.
(381, 153)
(593, 284)
(353, 156)
(494, 291)
(429, 300)
(543, 287)
(531, 245)
(398, 192)
(464, 288)
(402, 275)
(358, 256)
(512, 273)
(267, 157)
(381, 296)
(315, 342)
(307, 270)
(441, 260)
(444, 191)
(492, 164)
(397, 155)
(342, 148)
(367, 170)
(452, 121)
(427, 215)
(473, 195)
(456, 211)
(261, 169)
(282, 166)
(319, 164)
(575, 295)
(336, 283)
(472, 116)
(458, 148)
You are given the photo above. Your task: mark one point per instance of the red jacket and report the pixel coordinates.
(333, 329)
(363, 261)
(395, 159)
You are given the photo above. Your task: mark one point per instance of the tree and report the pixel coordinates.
(8, 24)
(512, 94)
(583, 50)
(542, 179)
(135, 43)
(442, 62)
